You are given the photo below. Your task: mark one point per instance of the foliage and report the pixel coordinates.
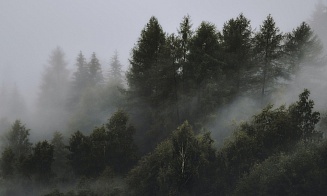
(302, 172)
(175, 166)
(18, 139)
(268, 50)
(42, 159)
(110, 145)
(7, 163)
(270, 132)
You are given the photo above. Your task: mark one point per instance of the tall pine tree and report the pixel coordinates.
(268, 49)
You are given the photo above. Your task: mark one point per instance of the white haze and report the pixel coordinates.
(32, 29)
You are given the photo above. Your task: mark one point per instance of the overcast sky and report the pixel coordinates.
(31, 29)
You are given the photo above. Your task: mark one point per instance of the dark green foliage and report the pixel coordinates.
(122, 154)
(177, 165)
(203, 61)
(80, 152)
(110, 145)
(268, 42)
(306, 120)
(237, 46)
(270, 132)
(301, 173)
(145, 58)
(7, 163)
(60, 164)
(42, 159)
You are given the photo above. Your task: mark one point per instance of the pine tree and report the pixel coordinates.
(95, 71)
(81, 76)
(185, 34)
(268, 49)
(303, 48)
(18, 139)
(236, 38)
(53, 95)
(144, 61)
(115, 72)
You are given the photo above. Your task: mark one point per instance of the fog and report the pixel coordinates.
(35, 34)
(32, 29)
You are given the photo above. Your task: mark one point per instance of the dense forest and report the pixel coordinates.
(155, 130)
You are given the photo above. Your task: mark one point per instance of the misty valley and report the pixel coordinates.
(202, 111)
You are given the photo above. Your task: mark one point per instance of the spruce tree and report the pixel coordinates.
(236, 38)
(268, 50)
(95, 71)
(303, 48)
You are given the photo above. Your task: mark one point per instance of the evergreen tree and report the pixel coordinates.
(42, 159)
(95, 71)
(268, 50)
(236, 38)
(81, 76)
(185, 34)
(18, 139)
(303, 48)
(53, 95)
(115, 73)
(7, 163)
(122, 150)
(60, 165)
(80, 157)
(202, 74)
(203, 63)
(144, 60)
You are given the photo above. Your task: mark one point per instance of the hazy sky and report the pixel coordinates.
(31, 29)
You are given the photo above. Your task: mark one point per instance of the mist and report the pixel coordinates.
(66, 67)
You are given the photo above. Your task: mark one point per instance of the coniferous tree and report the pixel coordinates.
(122, 150)
(18, 139)
(268, 50)
(81, 79)
(60, 165)
(115, 72)
(42, 159)
(53, 95)
(7, 163)
(95, 71)
(202, 74)
(80, 157)
(146, 80)
(144, 61)
(303, 48)
(236, 38)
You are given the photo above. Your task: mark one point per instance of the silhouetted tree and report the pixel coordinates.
(268, 50)
(236, 38)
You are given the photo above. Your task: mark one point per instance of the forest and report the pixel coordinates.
(155, 129)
